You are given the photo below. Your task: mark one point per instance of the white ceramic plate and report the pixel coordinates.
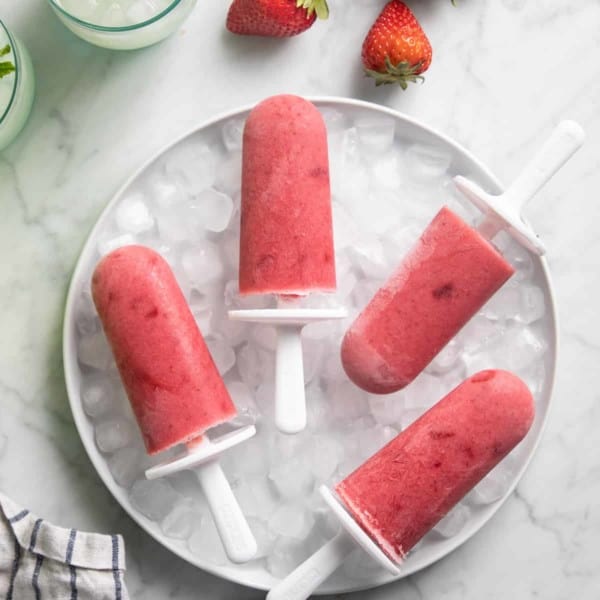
(254, 574)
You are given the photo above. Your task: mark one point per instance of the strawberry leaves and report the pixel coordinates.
(6, 67)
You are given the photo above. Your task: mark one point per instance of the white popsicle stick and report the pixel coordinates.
(290, 399)
(238, 541)
(307, 577)
(504, 211)
(237, 538)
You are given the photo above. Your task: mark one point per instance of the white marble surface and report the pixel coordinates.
(504, 73)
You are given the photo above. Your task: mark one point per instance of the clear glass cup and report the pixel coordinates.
(16, 88)
(127, 37)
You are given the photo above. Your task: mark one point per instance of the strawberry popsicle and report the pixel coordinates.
(286, 236)
(447, 276)
(444, 280)
(174, 387)
(399, 494)
(402, 491)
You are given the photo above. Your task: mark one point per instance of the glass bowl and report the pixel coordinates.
(128, 37)
(16, 89)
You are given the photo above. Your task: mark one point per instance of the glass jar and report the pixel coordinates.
(16, 86)
(126, 36)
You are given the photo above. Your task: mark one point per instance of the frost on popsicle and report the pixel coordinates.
(274, 478)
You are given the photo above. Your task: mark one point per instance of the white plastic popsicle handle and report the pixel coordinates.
(306, 578)
(290, 400)
(504, 211)
(237, 538)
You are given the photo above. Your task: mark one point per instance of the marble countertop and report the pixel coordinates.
(504, 72)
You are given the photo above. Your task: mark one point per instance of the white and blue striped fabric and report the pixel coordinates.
(39, 561)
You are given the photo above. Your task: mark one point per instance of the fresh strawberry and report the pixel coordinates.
(274, 18)
(396, 49)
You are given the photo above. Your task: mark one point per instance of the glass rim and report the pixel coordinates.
(96, 27)
(15, 54)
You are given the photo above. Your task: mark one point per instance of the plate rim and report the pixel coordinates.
(226, 572)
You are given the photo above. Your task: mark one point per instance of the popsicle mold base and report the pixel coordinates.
(196, 455)
(287, 316)
(290, 398)
(357, 533)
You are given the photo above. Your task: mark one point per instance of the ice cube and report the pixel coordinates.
(140, 10)
(479, 333)
(312, 355)
(335, 121)
(248, 459)
(375, 135)
(348, 401)
(346, 283)
(229, 176)
(425, 163)
(191, 164)
(409, 416)
(532, 304)
(108, 243)
(446, 359)
(222, 354)
(369, 257)
(166, 195)
(126, 465)
(345, 230)
(233, 133)
(98, 395)
(202, 263)
(93, 351)
(235, 332)
(374, 438)
(264, 335)
(398, 241)
(386, 173)
(230, 243)
(114, 16)
(453, 522)
(326, 454)
(86, 317)
(242, 397)
(132, 214)
(520, 259)
(205, 542)
(179, 522)
(423, 392)
(364, 291)
(255, 365)
(113, 434)
(495, 484)
(504, 304)
(386, 409)
(153, 498)
(286, 554)
(290, 520)
(293, 478)
(264, 541)
(213, 209)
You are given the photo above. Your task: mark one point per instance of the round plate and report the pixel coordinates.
(255, 575)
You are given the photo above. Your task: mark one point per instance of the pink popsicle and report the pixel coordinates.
(403, 490)
(286, 239)
(174, 387)
(443, 281)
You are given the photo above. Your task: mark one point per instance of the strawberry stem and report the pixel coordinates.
(400, 74)
(314, 6)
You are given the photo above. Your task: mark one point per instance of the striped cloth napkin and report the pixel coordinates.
(40, 561)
